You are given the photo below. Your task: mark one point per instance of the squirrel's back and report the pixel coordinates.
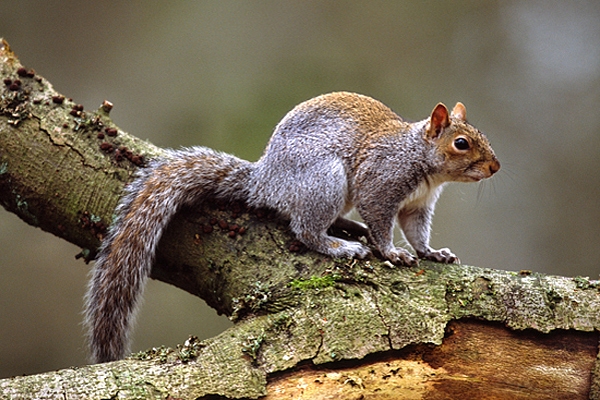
(323, 140)
(338, 114)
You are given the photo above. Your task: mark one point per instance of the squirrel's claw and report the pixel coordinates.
(399, 255)
(442, 256)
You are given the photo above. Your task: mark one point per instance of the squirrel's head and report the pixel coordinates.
(466, 153)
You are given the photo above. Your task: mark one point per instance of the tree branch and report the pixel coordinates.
(63, 168)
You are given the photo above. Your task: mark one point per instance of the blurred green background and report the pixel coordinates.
(222, 74)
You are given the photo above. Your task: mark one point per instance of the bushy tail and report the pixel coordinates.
(127, 253)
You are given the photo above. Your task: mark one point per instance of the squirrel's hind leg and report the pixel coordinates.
(332, 246)
(322, 206)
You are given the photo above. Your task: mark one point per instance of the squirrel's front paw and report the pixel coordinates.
(442, 255)
(399, 255)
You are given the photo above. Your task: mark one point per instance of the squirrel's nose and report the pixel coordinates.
(494, 166)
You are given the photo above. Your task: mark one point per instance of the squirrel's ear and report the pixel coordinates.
(459, 111)
(439, 120)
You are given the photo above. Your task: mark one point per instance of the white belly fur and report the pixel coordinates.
(425, 194)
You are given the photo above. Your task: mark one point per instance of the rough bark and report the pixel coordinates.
(306, 326)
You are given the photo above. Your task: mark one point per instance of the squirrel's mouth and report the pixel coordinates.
(474, 176)
(479, 172)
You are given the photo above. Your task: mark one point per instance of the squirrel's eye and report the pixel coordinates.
(461, 143)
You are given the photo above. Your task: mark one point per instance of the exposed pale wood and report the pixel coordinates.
(477, 360)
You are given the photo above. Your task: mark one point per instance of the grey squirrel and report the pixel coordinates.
(329, 154)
